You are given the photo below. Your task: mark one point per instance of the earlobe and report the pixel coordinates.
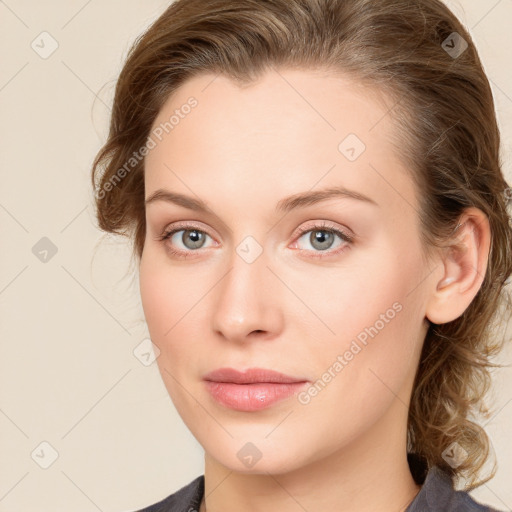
(464, 265)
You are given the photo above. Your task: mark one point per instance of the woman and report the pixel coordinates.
(320, 219)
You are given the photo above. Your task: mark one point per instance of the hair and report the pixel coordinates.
(444, 114)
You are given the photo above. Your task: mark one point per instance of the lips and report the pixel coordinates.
(252, 390)
(250, 376)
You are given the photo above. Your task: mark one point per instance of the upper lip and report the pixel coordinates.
(249, 376)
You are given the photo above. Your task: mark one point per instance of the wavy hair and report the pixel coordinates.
(448, 137)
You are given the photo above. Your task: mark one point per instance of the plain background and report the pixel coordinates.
(70, 324)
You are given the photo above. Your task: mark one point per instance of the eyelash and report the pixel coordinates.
(324, 227)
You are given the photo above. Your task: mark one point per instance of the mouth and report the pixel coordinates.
(252, 390)
(250, 376)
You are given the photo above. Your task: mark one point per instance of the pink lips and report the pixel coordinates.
(252, 390)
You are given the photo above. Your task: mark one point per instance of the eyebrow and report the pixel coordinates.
(286, 205)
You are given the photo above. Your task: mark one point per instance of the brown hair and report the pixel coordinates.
(449, 138)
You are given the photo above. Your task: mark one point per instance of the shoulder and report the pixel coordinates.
(437, 491)
(186, 499)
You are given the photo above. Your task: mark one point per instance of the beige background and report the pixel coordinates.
(70, 325)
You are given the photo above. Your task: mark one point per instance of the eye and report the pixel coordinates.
(322, 237)
(191, 239)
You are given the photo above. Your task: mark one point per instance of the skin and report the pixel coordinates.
(242, 150)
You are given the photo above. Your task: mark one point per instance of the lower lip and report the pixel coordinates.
(251, 397)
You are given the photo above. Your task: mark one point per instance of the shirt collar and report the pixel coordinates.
(436, 489)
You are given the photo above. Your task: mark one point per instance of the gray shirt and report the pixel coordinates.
(436, 495)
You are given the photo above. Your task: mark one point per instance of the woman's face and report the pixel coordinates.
(329, 290)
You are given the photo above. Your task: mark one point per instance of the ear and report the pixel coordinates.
(464, 263)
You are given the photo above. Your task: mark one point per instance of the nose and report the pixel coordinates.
(246, 305)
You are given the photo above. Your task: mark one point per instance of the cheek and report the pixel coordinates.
(163, 310)
(154, 298)
(375, 323)
(170, 299)
(164, 290)
(365, 369)
(162, 297)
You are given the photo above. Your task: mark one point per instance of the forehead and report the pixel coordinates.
(325, 101)
(286, 131)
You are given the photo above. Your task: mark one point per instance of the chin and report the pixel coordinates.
(255, 455)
